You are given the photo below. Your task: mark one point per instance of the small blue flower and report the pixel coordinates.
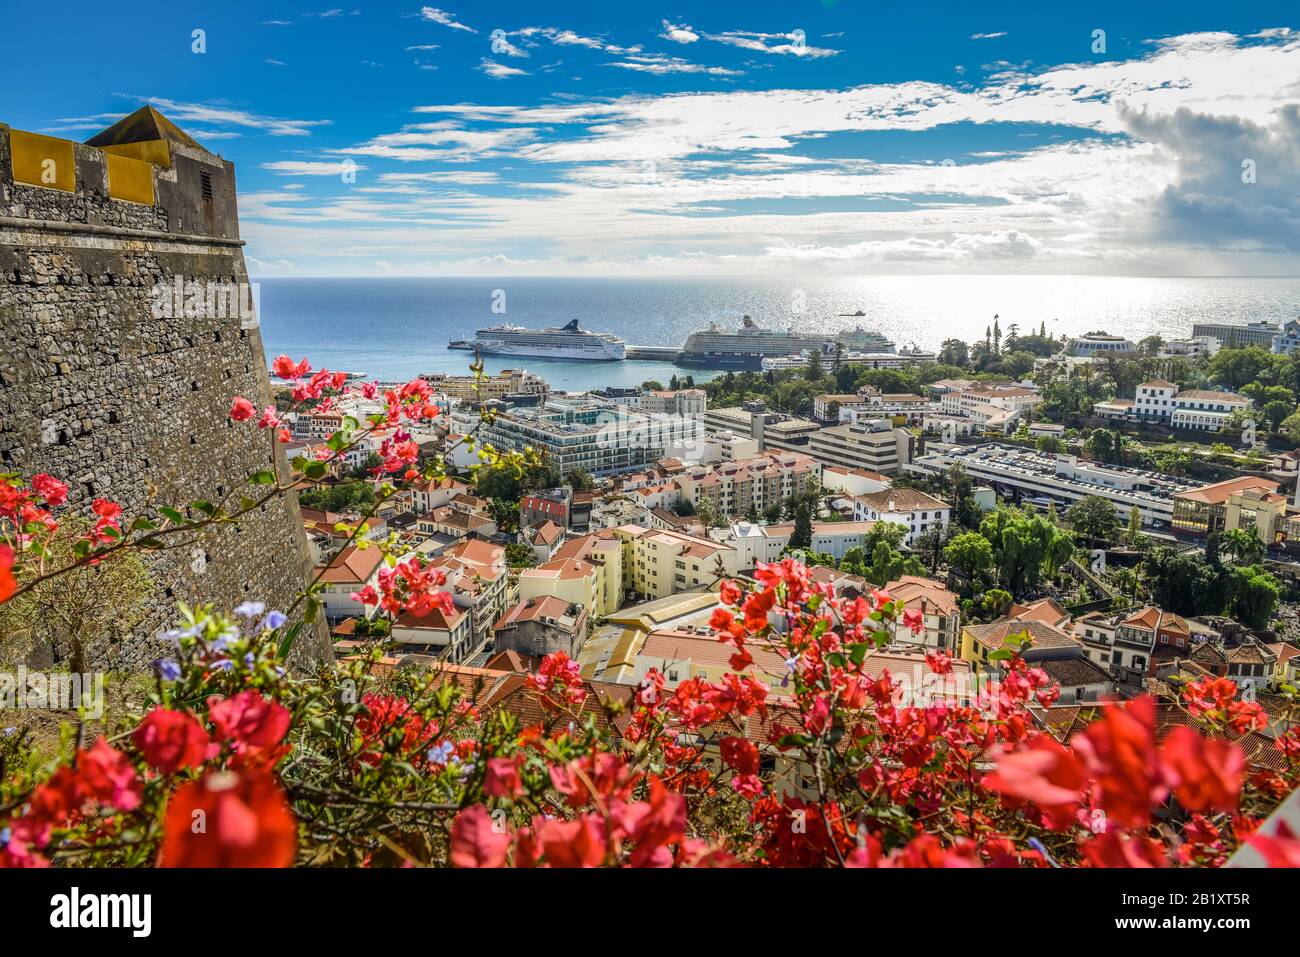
(169, 670)
(439, 754)
(224, 638)
(274, 620)
(224, 664)
(250, 609)
(5, 834)
(249, 660)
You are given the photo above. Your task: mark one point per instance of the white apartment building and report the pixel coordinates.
(915, 509)
(1192, 348)
(1157, 400)
(871, 444)
(1258, 333)
(756, 543)
(990, 406)
(1287, 340)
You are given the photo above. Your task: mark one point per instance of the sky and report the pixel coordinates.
(777, 139)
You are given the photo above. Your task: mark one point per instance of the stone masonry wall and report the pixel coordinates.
(95, 390)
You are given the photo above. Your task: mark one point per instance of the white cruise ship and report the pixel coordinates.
(567, 343)
(748, 346)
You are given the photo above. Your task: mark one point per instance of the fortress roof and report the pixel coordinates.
(143, 125)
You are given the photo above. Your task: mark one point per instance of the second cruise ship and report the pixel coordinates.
(748, 346)
(569, 342)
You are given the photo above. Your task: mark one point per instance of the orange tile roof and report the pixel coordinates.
(1219, 492)
(352, 566)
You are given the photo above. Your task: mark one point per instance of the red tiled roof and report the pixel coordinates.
(352, 566)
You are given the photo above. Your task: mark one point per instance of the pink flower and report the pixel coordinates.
(50, 489)
(285, 368)
(241, 410)
(270, 418)
(914, 620)
(476, 841)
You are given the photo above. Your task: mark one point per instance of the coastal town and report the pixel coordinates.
(1125, 515)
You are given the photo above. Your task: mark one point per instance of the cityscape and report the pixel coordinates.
(425, 528)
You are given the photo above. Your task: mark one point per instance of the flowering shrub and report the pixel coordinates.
(238, 762)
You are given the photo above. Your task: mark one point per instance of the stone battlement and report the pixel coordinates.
(98, 390)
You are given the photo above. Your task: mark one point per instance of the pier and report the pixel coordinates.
(654, 353)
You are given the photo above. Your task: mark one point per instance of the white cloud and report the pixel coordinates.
(499, 71)
(987, 36)
(793, 43)
(1145, 176)
(311, 167)
(182, 113)
(434, 15)
(679, 34)
(658, 63)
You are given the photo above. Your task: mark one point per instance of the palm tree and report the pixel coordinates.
(1243, 544)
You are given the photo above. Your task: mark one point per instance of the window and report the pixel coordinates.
(205, 185)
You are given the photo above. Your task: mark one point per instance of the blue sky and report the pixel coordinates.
(714, 138)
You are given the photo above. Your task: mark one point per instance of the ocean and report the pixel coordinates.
(399, 328)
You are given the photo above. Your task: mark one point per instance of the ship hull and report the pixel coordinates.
(722, 360)
(560, 352)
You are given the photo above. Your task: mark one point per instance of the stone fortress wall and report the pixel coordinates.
(97, 391)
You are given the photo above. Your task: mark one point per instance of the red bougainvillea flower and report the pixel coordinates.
(1044, 773)
(229, 819)
(171, 740)
(1119, 753)
(940, 662)
(477, 840)
(1214, 700)
(8, 584)
(285, 368)
(270, 418)
(579, 843)
(241, 410)
(108, 777)
(741, 755)
(1280, 849)
(914, 620)
(502, 778)
(107, 515)
(50, 489)
(558, 680)
(253, 725)
(1205, 773)
(729, 592)
(1116, 849)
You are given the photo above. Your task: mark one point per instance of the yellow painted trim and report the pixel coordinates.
(157, 152)
(39, 160)
(130, 179)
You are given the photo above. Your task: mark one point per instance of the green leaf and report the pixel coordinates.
(314, 470)
(286, 643)
(172, 515)
(264, 477)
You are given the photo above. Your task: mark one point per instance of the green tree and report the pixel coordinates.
(971, 555)
(1242, 544)
(801, 537)
(953, 352)
(1094, 518)
(1254, 595)
(353, 496)
(520, 555)
(1025, 547)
